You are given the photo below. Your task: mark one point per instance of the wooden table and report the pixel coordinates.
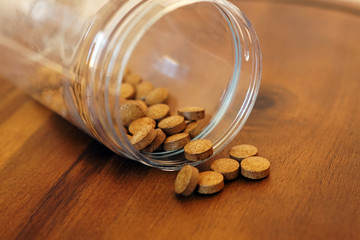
(58, 183)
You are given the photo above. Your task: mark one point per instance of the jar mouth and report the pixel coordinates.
(234, 108)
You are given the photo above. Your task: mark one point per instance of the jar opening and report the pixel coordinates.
(205, 52)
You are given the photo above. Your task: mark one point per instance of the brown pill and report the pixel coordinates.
(133, 79)
(143, 138)
(142, 104)
(159, 139)
(158, 95)
(228, 167)
(240, 152)
(210, 182)
(198, 150)
(139, 123)
(192, 113)
(130, 111)
(127, 91)
(172, 125)
(186, 180)
(143, 89)
(158, 111)
(176, 141)
(193, 129)
(255, 167)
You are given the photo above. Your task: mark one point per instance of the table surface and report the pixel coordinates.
(58, 183)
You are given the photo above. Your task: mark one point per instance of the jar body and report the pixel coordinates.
(68, 54)
(40, 45)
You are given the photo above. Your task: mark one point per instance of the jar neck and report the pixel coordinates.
(113, 42)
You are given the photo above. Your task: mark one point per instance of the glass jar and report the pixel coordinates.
(69, 55)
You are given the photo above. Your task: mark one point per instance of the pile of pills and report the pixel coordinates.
(242, 160)
(147, 121)
(150, 127)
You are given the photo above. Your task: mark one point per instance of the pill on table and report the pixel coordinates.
(186, 180)
(158, 111)
(133, 79)
(158, 95)
(139, 123)
(210, 182)
(198, 150)
(143, 89)
(156, 143)
(240, 152)
(192, 113)
(255, 167)
(127, 91)
(228, 167)
(172, 125)
(193, 128)
(143, 138)
(176, 141)
(130, 111)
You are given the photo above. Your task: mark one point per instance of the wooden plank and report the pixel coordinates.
(58, 183)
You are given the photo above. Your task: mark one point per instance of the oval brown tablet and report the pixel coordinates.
(158, 95)
(159, 139)
(192, 113)
(143, 89)
(139, 123)
(142, 138)
(239, 152)
(193, 128)
(127, 91)
(255, 167)
(228, 167)
(172, 125)
(133, 79)
(130, 111)
(186, 180)
(176, 141)
(158, 111)
(198, 150)
(210, 182)
(142, 104)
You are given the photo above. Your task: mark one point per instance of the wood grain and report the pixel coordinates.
(58, 183)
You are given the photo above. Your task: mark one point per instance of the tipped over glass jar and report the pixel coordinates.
(70, 54)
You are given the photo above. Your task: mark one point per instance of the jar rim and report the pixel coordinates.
(241, 31)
